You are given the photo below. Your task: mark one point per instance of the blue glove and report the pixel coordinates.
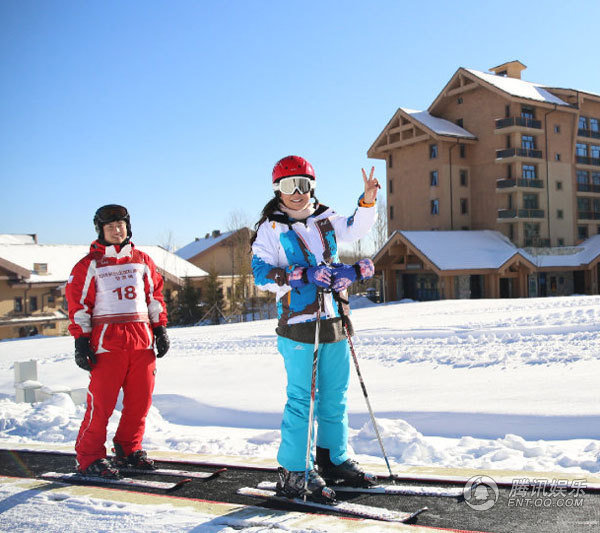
(296, 278)
(343, 276)
(366, 268)
(319, 275)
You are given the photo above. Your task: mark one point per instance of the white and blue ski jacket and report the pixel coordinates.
(282, 244)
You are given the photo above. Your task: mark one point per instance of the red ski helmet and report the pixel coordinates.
(293, 165)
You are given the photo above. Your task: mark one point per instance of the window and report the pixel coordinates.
(433, 151)
(459, 100)
(459, 122)
(433, 178)
(559, 185)
(507, 111)
(557, 157)
(583, 123)
(528, 142)
(508, 143)
(391, 186)
(594, 126)
(559, 213)
(582, 177)
(561, 242)
(18, 305)
(529, 172)
(530, 201)
(581, 149)
(33, 304)
(556, 128)
(583, 207)
(390, 161)
(463, 151)
(391, 212)
(435, 207)
(582, 232)
(511, 231)
(464, 178)
(464, 206)
(527, 112)
(595, 178)
(595, 151)
(532, 233)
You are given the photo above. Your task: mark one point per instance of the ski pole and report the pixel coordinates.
(362, 384)
(313, 388)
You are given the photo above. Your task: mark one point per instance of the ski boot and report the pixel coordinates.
(100, 468)
(291, 485)
(347, 473)
(138, 459)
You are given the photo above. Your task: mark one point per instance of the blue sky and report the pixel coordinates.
(178, 110)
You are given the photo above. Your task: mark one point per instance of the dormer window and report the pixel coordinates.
(40, 268)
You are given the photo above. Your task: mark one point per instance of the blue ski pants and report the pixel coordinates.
(331, 413)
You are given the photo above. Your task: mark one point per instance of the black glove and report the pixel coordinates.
(84, 355)
(162, 340)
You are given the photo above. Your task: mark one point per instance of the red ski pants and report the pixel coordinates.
(134, 372)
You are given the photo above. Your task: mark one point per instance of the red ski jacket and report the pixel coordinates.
(115, 297)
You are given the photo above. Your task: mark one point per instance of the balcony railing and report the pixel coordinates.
(520, 182)
(518, 121)
(585, 160)
(588, 187)
(537, 242)
(520, 213)
(520, 152)
(588, 215)
(587, 133)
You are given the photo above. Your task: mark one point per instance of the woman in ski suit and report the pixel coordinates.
(295, 255)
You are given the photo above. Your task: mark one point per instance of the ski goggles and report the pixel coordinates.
(290, 185)
(112, 213)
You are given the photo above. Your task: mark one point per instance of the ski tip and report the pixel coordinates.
(217, 472)
(413, 516)
(179, 484)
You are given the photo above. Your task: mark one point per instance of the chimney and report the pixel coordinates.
(216, 233)
(511, 69)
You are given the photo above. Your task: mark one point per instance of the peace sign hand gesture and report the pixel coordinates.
(371, 186)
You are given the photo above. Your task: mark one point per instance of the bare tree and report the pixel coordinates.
(379, 232)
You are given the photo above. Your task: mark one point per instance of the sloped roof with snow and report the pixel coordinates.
(200, 245)
(17, 238)
(488, 249)
(438, 125)
(61, 259)
(519, 88)
(463, 250)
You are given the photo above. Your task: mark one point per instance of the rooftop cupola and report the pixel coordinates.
(511, 69)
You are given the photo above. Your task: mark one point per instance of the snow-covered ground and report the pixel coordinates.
(501, 384)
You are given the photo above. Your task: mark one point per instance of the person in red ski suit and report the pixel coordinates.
(117, 314)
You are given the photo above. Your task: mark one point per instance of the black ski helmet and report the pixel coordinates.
(111, 213)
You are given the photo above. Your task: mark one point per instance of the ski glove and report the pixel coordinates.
(346, 275)
(319, 275)
(366, 268)
(296, 278)
(162, 340)
(343, 276)
(84, 355)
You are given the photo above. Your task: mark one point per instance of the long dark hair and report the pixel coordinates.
(270, 207)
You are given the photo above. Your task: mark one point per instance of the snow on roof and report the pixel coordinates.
(573, 256)
(438, 125)
(474, 250)
(200, 245)
(463, 250)
(17, 238)
(520, 88)
(61, 258)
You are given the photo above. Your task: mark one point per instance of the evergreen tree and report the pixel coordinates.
(214, 297)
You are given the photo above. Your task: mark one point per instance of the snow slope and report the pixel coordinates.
(501, 384)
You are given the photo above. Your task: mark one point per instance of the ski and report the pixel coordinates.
(346, 508)
(407, 490)
(171, 472)
(81, 479)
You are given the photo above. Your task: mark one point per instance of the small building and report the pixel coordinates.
(432, 265)
(33, 277)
